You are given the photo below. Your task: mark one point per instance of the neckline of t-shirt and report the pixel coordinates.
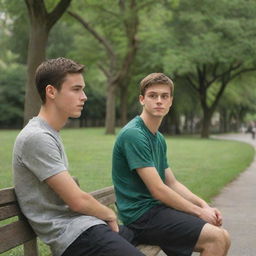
(146, 128)
(44, 123)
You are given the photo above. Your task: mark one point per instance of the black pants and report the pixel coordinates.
(174, 231)
(100, 240)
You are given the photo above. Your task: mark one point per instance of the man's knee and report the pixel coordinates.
(226, 238)
(214, 240)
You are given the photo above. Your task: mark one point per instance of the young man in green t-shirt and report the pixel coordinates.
(158, 208)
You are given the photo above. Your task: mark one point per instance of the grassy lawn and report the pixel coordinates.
(205, 166)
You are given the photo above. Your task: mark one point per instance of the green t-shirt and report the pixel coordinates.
(136, 147)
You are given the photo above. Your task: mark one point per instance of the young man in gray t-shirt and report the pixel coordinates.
(66, 218)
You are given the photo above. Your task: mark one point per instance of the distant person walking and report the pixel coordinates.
(252, 129)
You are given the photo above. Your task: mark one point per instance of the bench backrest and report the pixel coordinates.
(17, 231)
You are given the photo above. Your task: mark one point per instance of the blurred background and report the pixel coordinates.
(207, 47)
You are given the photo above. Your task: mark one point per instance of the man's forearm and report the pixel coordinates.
(88, 205)
(173, 199)
(187, 194)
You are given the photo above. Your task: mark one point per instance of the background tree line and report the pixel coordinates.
(207, 47)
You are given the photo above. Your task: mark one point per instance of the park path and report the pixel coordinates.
(237, 202)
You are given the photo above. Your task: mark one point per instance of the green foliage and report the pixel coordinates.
(60, 40)
(15, 29)
(208, 32)
(175, 37)
(12, 83)
(238, 101)
(95, 106)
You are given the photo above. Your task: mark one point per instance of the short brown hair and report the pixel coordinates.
(155, 78)
(54, 72)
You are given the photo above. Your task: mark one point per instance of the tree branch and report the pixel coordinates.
(105, 10)
(191, 83)
(57, 12)
(231, 68)
(104, 70)
(226, 80)
(242, 71)
(145, 5)
(97, 36)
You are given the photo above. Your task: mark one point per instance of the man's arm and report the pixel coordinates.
(173, 183)
(80, 201)
(176, 199)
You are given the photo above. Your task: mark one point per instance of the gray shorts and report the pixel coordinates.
(174, 231)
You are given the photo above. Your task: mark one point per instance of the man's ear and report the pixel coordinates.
(141, 99)
(50, 91)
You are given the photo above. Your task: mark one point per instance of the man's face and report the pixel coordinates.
(157, 100)
(70, 99)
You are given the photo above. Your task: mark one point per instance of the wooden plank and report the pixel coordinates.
(107, 200)
(15, 234)
(9, 211)
(31, 248)
(103, 192)
(149, 250)
(105, 195)
(7, 195)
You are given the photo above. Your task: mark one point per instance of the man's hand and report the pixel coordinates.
(113, 225)
(218, 216)
(211, 215)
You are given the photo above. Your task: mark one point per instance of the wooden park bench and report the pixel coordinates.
(19, 232)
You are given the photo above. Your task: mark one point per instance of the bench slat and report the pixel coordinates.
(103, 192)
(107, 200)
(105, 195)
(9, 211)
(14, 234)
(7, 195)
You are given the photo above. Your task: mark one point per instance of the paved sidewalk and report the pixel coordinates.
(237, 202)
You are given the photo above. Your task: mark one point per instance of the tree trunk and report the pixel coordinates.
(123, 105)
(40, 24)
(36, 54)
(110, 110)
(225, 121)
(206, 123)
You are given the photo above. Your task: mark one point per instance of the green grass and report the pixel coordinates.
(205, 166)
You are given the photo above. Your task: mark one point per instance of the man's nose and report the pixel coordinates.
(159, 99)
(84, 97)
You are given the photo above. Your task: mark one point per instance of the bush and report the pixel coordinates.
(12, 94)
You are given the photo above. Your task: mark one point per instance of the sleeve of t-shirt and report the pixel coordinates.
(41, 154)
(137, 150)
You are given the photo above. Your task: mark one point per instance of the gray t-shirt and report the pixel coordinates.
(37, 155)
